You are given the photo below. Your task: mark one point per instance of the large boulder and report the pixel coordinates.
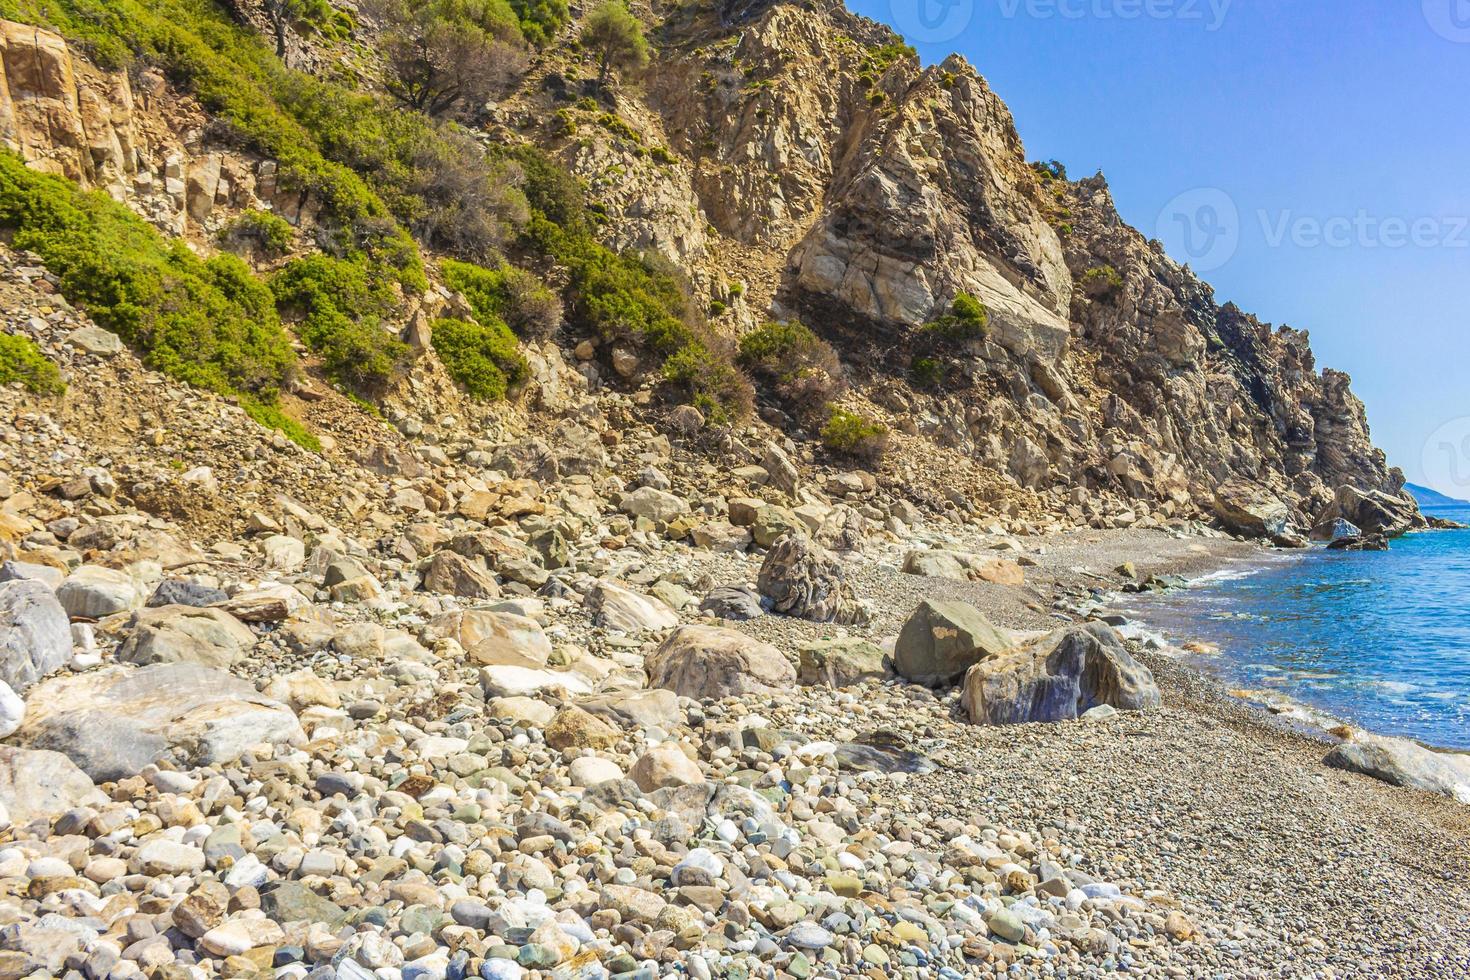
(1251, 511)
(1404, 763)
(802, 579)
(712, 662)
(962, 566)
(942, 639)
(656, 707)
(35, 636)
(616, 608)
(1058, 677)
(840, 662)
(95, 591)
(496, 637)
(737, 603)
(41, 785)
(1375, 512)
(449, 573)
(509, 680)
(185, 634)
(654, 505)
(115, 721)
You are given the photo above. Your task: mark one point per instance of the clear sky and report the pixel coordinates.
(1311, 158)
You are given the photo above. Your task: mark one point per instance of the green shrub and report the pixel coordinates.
(552, 192)
(618, 126)
(641, 299)
(661, 154)
(339, 311)
(237, 76)
(849, 434)
(210, 323)
(1101, 281)
(483, 358)
(434, 179)
(261, 231)
(799, 368)
(271, 416)
(926, 372)
(966, 320)
(508, 294)
(22, 361)
(449, 55)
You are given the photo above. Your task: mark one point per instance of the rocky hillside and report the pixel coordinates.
(795, 161)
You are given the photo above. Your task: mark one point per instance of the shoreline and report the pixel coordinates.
(1247, 791)
(1209, 805)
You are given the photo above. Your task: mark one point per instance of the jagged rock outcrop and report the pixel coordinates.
(129, 134)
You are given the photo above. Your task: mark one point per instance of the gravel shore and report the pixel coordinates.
(1288, 867)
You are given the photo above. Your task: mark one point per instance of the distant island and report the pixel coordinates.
(1433, 498)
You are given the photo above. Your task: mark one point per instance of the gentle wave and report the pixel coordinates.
(1381, 640)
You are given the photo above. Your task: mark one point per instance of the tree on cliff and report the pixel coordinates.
(447, 54)
(297, 15)
(615, 38)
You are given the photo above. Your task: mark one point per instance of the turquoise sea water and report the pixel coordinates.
(1381, 640)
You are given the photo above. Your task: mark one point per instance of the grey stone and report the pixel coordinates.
(113, 722)
(1058, 678)
(35, 634)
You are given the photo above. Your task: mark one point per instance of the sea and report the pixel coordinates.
(1380, 640)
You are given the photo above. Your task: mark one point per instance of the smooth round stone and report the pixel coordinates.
(1006, 925)
(809, 935)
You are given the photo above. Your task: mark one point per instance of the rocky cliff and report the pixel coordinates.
(796, 161)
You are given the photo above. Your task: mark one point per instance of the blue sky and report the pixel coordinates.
(1316, 153)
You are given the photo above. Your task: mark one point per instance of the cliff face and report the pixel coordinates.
(136, 139)
(1109, 377)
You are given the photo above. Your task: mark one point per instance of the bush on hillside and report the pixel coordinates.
(541, 20)
(926, 372)
(482, 357)
(513, 295)
(266, 234)
(851, 435)
(210, 323)
(966, 320)
(340, 314)
(238, 78)
(450, 55)
(1101, 282)
(434, 179)
(21, 361)
(800, 368)
(615, 38)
